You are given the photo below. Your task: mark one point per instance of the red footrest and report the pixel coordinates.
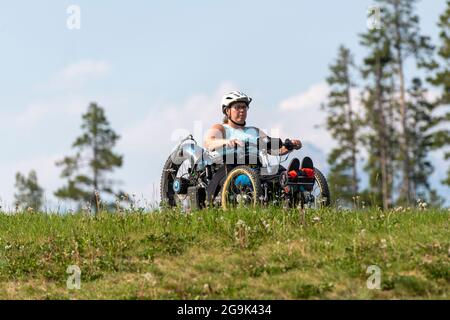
(304, 172)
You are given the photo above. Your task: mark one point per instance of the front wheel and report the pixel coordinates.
(242, 187)
(321, 192)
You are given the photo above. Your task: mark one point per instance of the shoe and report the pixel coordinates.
(294, 165)
(307, 163)
(308, 168)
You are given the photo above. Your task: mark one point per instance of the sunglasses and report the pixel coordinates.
(241, 107)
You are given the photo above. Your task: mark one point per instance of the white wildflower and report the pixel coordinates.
(266, 225)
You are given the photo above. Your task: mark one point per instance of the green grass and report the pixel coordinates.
(243, 254)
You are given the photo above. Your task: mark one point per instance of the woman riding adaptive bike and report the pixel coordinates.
(224, 138)
(233, 168)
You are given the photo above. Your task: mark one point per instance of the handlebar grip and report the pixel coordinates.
(288, 144)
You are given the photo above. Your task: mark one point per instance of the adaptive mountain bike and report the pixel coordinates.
(195, 178)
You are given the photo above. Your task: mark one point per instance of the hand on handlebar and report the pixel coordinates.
(292, 144)
(297, 144)
(235, 142)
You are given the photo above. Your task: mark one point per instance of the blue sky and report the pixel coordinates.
(160, 67)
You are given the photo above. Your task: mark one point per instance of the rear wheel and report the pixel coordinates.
(241, 188)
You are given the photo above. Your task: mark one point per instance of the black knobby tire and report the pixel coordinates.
(168, 196)
(254, 179)
(323, 185)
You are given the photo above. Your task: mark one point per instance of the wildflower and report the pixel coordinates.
(241, 233)
(383, 243)
(266, 225)
(30, 210)
(207, 288)
(422, 204)
(86, 207)
(316, 219)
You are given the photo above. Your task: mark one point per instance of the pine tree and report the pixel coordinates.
(344, 124)
(86, 170)
(420, 123)
(30, 194)
(402, 28)
(377, 71)
(441, 80)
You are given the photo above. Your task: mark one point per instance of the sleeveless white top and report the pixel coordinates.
(244, 134)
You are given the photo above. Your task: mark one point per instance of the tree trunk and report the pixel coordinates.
(95, 168)
(352, 132)
(404, 143)
(382, 140)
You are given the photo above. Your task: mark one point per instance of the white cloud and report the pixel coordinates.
(61, 109)
(72, 76)
(85, 69)
(76, 75)
(300, 116)
(312, 97)
(33, 113)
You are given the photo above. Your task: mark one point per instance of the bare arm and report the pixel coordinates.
(215, 138)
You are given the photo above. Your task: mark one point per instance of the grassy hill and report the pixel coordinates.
(247, 253)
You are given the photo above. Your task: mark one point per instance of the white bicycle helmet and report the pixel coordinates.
(232, 97)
